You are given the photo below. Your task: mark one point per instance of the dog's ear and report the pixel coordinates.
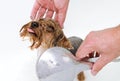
(50, 29)
(66, 43)
(23, 30)
(62, 41)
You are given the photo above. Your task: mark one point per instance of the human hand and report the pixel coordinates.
(48, 8)
(106, 42)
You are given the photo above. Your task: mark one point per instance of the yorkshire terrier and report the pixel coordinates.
(47, 33)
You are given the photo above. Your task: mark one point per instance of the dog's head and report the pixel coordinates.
(46, 32)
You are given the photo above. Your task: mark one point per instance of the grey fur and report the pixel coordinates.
(76, 42)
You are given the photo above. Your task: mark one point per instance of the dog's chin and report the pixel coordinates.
(33, 34)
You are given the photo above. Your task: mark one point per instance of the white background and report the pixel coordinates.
(17, 61)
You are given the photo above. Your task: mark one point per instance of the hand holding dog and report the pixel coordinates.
(48, 8)
(106, 42)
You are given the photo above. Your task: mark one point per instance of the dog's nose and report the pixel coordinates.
(34, 24)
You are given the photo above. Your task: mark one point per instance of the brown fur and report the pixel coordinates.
(47, 33)
(81, 76)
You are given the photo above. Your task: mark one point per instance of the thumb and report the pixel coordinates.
(60, 17)
(100, 63)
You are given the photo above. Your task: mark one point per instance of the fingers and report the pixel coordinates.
(35, 10)
(40, 13)
(47, 9)
(49, 14)
(60, 16)
(100, 63)
(86, 49)
(82, 53)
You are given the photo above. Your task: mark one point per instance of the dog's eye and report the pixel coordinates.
(50, 29)
(34, 24)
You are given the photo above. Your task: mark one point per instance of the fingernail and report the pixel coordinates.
(94, 73)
